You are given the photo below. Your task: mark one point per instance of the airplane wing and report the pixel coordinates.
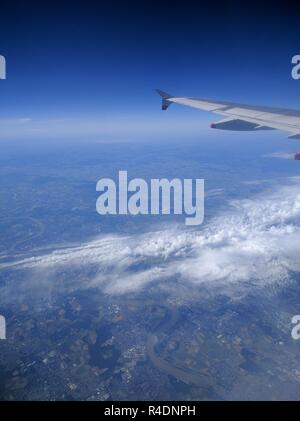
(240, 116)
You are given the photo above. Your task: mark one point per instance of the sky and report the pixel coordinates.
(85, 67)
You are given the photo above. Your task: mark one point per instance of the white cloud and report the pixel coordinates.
(256, 243)
(281, 155)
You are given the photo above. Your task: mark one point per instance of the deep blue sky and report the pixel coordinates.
(82, 60)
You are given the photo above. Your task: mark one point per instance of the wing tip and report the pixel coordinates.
(165, 99)
(163, 94)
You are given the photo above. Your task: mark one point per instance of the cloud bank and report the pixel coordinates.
(256, 243)
(126, 126)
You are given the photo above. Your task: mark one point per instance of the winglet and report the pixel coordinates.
(165, 99)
